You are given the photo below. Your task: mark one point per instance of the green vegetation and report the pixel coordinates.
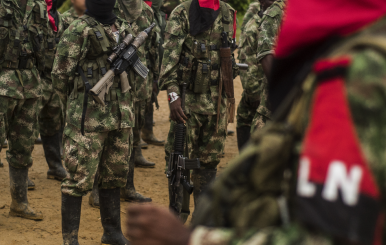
(240, 5)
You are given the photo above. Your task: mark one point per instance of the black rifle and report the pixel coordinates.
(179, 166)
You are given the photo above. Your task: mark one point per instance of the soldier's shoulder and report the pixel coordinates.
(179, 9)
(77, 26)
(229, 7)
(251, 26)
(147, 8)
(276, 9)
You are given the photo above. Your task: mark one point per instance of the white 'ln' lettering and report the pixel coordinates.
(305, 188)
(347, 181)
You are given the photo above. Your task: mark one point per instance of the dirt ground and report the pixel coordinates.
(47, 196)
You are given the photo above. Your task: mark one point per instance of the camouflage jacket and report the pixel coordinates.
(80, 47)
(253, 10)
(269, 28)
(52, 42)
(365, 89)
(23, 37)
(253, 80)
(169, 5)
(143, 87)
(69, 16)
(182, 50)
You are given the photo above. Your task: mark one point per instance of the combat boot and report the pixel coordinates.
(5, 144)
(71, 209)
(18, 178)
(51, 146)
(147, 130)
(31, 184)
(243, 135)
(110, 209)
(143, 144)
(38, 141)
(230, 132)
(1, 164)
(201, 180)
(93, 199)
(128, 193)
(140, 161)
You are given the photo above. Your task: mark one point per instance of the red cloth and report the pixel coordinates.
(234, 25)
(149, 3)
(210, 4)
(331, 151)
(52, 21)
(310, 21)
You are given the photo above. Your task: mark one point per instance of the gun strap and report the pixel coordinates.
(87, 88)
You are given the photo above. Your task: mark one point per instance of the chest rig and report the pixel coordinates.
(51, 46)
(199, 65)
(22, 36)
(95, 65)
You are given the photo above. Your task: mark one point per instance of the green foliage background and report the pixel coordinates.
(240, 5)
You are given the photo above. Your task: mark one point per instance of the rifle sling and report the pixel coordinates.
(87, 88)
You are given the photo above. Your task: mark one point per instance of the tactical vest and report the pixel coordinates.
(198, 67)
(51, 46)
(21, 43)
(95, 65)
(253, 191)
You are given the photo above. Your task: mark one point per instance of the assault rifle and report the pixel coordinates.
(179, 166)
(124, 55)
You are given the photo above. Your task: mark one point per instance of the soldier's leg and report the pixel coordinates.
(244, 118)
(113, 171)
(82, 157)
(20, 121)
(139, 160)
(51, 132)
(128, 192)
(210, 144)
(147, 130)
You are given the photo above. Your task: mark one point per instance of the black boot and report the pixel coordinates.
(38, 141)
(111, 217)
(143, 144)
(93, 199)
(147, 130)
(243, 135)
(51, 146)
(19, 184)
(31, 184)
(128, 193)
(71, 209)
(230, 132)
(5, 144)
(201, 180)
(140, 161)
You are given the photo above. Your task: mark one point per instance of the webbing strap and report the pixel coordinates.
(87, 88)
(42, 10)
(99, 32)
(226, 19)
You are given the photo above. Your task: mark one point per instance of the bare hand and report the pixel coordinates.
(152, 225)
(176, 113)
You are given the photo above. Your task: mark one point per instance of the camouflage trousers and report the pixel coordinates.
(18, 120)
(202, 139)
(106, 152)
(245, 113)
(140, 109)
(50, 116)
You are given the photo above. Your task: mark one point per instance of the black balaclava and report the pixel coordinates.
(54, 12)
(202, 14)
(101, 10)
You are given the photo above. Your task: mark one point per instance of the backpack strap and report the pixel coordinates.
(226, 18)
(98, 32)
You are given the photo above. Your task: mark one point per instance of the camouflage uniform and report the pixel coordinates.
(20, 88)
(268, 30)
(365, 89)
(106, 143)
(51, 118)
(143, 87)
(254, 79)
(180, 50)
(169, 5)
(69, 16)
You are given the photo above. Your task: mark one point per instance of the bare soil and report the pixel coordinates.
(47, 196)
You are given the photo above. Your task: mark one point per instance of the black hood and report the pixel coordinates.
(101, 10)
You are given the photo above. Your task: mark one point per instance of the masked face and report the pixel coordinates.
(101, 10)
(132, 9)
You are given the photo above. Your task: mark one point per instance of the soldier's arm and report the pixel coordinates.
(71, 48)
(175, 34)
(269, 29)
